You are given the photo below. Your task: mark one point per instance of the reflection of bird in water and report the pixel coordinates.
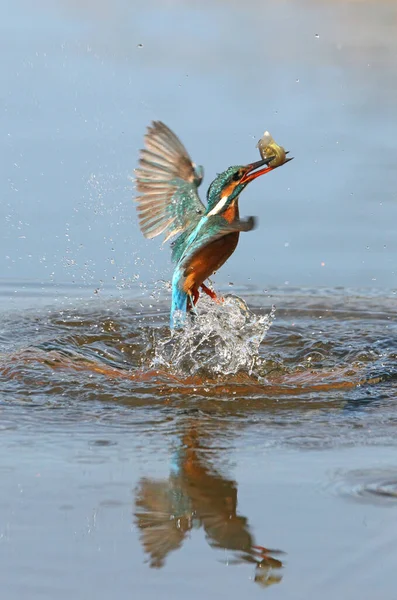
(195, 496)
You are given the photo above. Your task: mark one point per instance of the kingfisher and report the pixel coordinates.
(168, 181)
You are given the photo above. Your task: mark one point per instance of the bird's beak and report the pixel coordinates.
(251, 172)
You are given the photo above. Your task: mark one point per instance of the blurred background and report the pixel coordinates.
(83, 78)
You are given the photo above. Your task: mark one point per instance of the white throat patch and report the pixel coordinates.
(218, 207)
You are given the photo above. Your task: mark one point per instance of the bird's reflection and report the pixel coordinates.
(195, 495)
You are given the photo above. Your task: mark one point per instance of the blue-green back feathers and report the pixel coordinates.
(178, 246)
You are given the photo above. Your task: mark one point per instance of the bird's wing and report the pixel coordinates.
(162, 524)
(211, 229)
(167, 180)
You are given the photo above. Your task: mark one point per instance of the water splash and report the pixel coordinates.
(221, 339)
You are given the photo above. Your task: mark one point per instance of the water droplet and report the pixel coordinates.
(317, 35)
(139, 46)
(296, 80)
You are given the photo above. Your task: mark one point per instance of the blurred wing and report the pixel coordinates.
(228, 531)
(162, 525)
(167, 181)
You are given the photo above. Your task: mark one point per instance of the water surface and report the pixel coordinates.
(122, 473)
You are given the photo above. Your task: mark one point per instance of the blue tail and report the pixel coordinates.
(179, 303)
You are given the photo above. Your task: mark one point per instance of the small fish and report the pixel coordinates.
(268, 147)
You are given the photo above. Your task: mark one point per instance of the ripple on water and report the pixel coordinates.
(375, 486)
(319, 372)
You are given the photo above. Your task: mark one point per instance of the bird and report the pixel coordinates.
(168, 203)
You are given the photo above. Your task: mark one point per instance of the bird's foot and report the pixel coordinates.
(212, 294)
(196, 296)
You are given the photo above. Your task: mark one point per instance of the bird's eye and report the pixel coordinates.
(236, 176)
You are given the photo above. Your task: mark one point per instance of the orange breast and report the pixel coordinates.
(231, 213)
(213, 256)
(209, 260)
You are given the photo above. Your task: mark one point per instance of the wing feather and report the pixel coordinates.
(167, 181)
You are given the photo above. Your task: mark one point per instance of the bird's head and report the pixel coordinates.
(227, 186)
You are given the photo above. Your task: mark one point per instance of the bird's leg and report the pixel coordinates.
(261, 551)
(211, 293)
(208, 291)
(191, 302)
(267, 554)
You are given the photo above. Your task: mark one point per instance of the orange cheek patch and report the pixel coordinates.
(228, 190)
(230, 213)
